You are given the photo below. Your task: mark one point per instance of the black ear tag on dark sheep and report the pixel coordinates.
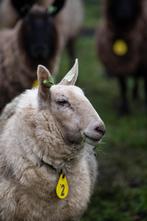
(48, 83)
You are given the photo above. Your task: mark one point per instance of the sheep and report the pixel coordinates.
(119, 43)
(69, 23)
(34, 40)
(72, 15)
(47, 163)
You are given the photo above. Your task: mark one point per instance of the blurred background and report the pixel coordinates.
(121, 189)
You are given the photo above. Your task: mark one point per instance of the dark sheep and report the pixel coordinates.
(119, 43)
(33, 41)
(12, 10)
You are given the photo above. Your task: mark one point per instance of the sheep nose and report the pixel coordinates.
(40, 50)
(100, 128)
(95, 131)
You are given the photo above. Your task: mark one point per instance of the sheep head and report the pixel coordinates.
(124, 12)
(38, 37)
(22, 7)
(72, 111)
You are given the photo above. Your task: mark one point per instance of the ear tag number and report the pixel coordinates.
(62, 188)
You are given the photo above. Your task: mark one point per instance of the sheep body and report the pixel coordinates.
(8, 16)
(120, 65)
(70, 20)
(14, 73)
(69, 23)
(38, 135)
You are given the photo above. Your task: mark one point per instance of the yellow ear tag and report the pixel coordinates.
(62, 188)
(120, 47)
(35, 84)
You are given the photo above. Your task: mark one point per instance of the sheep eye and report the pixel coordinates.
(63, 102)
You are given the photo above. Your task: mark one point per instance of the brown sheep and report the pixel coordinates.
(119, 42)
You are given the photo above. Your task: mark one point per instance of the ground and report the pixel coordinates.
(121, 190)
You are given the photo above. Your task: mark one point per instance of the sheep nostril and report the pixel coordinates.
(100, 129)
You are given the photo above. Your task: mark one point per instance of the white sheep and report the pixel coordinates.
(47, 164)
(69, 23)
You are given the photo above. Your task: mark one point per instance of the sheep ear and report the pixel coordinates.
(45, 81)
(71, 77)
(22, 7)
(56, 7)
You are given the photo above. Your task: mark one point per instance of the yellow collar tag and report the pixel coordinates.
(120, 47)
(62, 188)
(35, 84)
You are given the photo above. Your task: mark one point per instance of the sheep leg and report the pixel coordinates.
(145, 89)
(70, 47)
(135, 93)
(124, 106)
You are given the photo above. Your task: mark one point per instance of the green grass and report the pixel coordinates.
(121, 190)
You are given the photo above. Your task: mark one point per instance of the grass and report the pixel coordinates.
(121, 190)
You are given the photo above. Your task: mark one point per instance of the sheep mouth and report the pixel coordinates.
(91, 140)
